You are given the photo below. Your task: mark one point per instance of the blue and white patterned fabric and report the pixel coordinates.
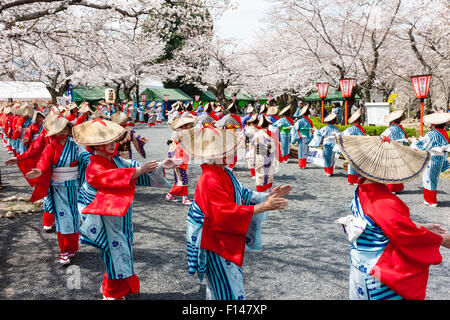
(224, 277)
(21, 148)
(304, 140)
(351, 131)
(328, 143)
(364, 255)
(281, 126)
(434, 142)
(63, 194)
(114, 235)
(396, 133)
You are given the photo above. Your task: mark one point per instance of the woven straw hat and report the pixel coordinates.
(218, 109)
(48, 120)
(383, 160)
(394, 115)
(25, 111)
(330, 117)
(120, 117)
(262, 119)
(209, 143)
(203, 120)
(272, 111)
(437, 118)
(72, 106)
(98, 114)
(355, 116)
(253, 118)
(263, 109)
(304, 110)
(181, 121)
(58, 124)
(250, 109)
(84, 107)
(288, 108)
(36, 113)
(7, 110)
(97, 132)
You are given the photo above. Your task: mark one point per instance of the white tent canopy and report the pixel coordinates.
(23, 91)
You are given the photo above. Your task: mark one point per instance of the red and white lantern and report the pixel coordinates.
(322, 88)
(143, 97)
(346, 86)
(256, 98)
(197, 98)
(421, 85)
(166, 97)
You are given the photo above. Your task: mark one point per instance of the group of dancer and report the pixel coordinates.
(79, 161)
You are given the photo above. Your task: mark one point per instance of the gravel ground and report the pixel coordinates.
(304, 256)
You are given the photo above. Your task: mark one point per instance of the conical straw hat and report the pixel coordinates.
(304, 110)
(263, 109)
(272, 111)
(49, 119)
(203, 120)
(250, 109)
(383, 160)
(84, 107)
(262, 119)
(120, 117)
(330, 117)
(209, 143)
(181, 121)
(355, 116)
(98, 114)
(437, 118)
(36, 113)
(288, 108)
(97, 132)
(253, 118)
(394, 115)
(58, 124)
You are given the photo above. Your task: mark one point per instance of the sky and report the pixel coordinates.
(242, 22)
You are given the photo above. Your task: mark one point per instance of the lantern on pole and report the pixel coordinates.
(322, 88)
(110, 96)
(234, 98)
(346, 86)
(256, 98)
(196, 98)
(269, 98)
(143, 97)
(421, 86)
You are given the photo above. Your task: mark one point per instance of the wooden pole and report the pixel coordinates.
(421, 117)
(346, 111)
(322, 109)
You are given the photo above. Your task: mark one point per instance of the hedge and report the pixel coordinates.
(370, 130)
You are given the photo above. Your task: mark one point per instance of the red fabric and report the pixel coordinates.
(17, 127)
(181, 155)
(264, 188)
(226, 223)
(179, 191)
(237, 118)
(68, 242)
(353, 178)
(213, 115)
(444, 134)
(291, 121)
(119, 288)
(302, 163)
(252, 172)
(310, 122)
(81, 119)
(48, 219)
(405, 262)
(398, 125)
(29, 159)
(329, 170)
(30, 132)
(50, 156)
(430, 196)
(360, 128)
(396, 187)
(115, 189)
(71, 117)
(232, 165)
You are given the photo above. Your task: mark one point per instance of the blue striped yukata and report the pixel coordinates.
(328, 143)
(351, 131)
(438, 162)
(21, 148)
(284, 135)
(301, 139)
(364, 254)
(395, 133)
(62, 197)
(113, 236)
(224, 278)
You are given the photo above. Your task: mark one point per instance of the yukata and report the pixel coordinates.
(105, 205)
(437, 142)
(265, 149)
(124, 149)
(72, 118)
(180, 174)
(329, 142)
(245, 119)
(389, 255)
(140, 113)
(229, 122)
(21, 147)
(250, 155)
(219, 227)
(27, 161)
(32, 133)
(62, 170)
(158, 115)
(396, 133)
(281, 127)
(301, 133)
(355, 130)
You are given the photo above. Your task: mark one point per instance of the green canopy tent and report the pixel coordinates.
(335, 96)
(90, 94)
(157, 94)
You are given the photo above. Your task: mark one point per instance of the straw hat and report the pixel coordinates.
(437, 118)
(203, 120)
(209, 143)
(231, 106)
(383, 160)
(262, 119)
(84, 107)
(7, 110)
(355, 116)
(272, 111)
(181, 121)
(120, 117)
(98, 114)
(48, 120)
(330, 117)
(250, 109)
(57, 125)
(253, 118)
(288, 108)
(25, 111)
(218, 109)
(394, 115)
(36, 113)
(304, 110)
(72, 106)
(97, 132)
